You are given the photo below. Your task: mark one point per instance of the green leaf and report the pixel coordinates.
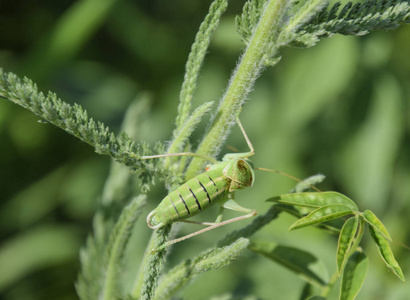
(358, 19)
(316, 298)
(299, 17)
(248, 20)
(345, 242)
(334, 226)
(302, 263)
(373, 221)
(322, 214)
(315, 199)
(354, 275)
(386, 252)
(196, 58)
(152, 265)
(74, 120)
(185, 272)
(116, 245)
(185, 130)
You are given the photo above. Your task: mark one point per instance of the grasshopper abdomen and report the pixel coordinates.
(191, 198)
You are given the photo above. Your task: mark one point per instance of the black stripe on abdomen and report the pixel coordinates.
(183, 201)
(214, 184)
(179, 216)
(196, 199)
(209, 198)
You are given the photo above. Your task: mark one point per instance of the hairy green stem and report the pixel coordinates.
(153, 265)
(241, 82)
(136, 290)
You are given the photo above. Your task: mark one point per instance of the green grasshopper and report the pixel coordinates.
(214, 186)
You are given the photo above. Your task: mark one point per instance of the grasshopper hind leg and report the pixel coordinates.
(229, 204)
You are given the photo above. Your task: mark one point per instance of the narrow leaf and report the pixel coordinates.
(373, 221)
(300, 17)
(322, 214)
(152, 265)
(386, 252)
(345, 242)
(315, 199)
(196, 57)
(212, 259)
(358, 19)
(74, 120)
(302, 263)
(354, 275)
(185, 131)
(115, 249)
(334, 226)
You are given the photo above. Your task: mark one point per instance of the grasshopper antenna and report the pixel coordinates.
(289, 176)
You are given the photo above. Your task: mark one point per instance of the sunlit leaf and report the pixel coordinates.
(322, 214)
(344, 244)
(373, 221)
(354, 275)
(386, 252)
(334, 226)
(315, 199)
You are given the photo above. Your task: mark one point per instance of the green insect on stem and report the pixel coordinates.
(214, 186)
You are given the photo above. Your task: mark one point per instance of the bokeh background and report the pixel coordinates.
(340, 108)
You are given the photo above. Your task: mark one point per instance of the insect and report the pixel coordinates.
(214, 186)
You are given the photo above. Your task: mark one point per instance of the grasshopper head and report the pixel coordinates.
(240, 172)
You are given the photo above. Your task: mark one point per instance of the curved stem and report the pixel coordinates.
(242, 81)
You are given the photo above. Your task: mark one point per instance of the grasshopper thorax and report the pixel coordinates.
(240, 172)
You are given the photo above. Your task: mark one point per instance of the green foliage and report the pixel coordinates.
(109, 258)
(74, 119)
(182, 274)
(195, 60)
(354, 275)
(100, 276)
(352, 264)
(353, 19)
(345, 243)
(301, 262)
(309, 21)
(386, 252)
(246, 22)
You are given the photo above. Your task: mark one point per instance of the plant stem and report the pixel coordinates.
(242, 81)
(326, 290)
(136, 291)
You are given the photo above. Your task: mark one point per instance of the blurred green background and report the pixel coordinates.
(340, 108)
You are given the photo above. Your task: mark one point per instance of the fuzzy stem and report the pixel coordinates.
(241, 82)
(153, 265)
(139, 281)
